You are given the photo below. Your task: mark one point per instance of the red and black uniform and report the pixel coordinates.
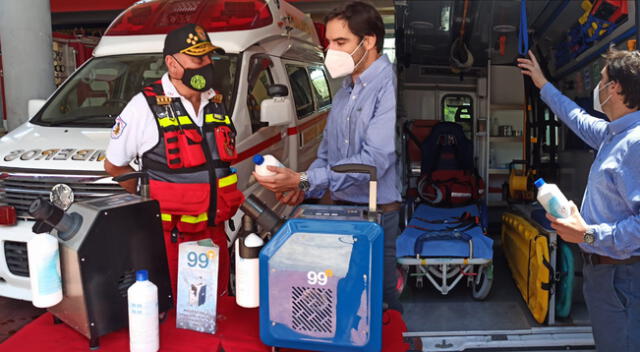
(190, 175)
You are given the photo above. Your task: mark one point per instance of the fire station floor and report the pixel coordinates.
(426, 309)
(14, 314)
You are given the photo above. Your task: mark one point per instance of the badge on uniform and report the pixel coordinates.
(118, 128)
(217, 98)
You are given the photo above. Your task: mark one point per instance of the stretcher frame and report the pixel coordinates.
(444, 273)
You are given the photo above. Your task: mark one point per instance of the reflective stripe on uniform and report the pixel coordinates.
(170, 121)
(190, 219)
(165, 217)
(228, 180)
(217, 118)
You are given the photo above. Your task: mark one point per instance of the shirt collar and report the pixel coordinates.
(624, 122)
(371, 73)
(171, 91)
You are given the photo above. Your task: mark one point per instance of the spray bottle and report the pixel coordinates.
(44, 270)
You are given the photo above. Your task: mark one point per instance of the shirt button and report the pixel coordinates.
(353, 97)
(364, 84)
(346, 141)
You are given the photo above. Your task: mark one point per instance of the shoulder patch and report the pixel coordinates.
(118, 128)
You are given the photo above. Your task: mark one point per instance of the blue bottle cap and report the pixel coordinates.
(539, 182)
(233, 170)
(258, 159)
(142, 275)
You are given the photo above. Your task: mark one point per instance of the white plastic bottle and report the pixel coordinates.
(248, 271)
(44, 270)
(142, 297)
(262, 161)
(552, 199)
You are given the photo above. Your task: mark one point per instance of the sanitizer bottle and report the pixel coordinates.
(552, 199)
(142, 297)
(44, 270)
(262, 161)
(248, 270)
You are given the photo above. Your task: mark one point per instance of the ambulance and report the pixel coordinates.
(274, 85)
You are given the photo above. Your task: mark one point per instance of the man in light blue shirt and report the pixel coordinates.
(607, 228)
(360, 129)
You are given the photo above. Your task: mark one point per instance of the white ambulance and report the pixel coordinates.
(271, 49)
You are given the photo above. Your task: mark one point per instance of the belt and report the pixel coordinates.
(596, 259)
(383, 208)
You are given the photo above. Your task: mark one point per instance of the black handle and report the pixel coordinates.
(131, 175)
(357, 168)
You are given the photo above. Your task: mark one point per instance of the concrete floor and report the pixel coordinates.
(14, 315)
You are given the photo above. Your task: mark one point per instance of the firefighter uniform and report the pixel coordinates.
(187, 155)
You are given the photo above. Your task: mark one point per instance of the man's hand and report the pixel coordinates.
(113, 170)
(531, 68)
(284, 180)
(572, 228)
(291, 197)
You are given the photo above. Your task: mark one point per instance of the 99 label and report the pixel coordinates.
(194, 259)
(317, 278)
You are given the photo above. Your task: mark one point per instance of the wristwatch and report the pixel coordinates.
(589, 236)
(304, 182)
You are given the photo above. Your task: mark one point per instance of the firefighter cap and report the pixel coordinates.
(190, 39)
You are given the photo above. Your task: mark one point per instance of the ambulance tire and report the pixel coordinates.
(481, 290)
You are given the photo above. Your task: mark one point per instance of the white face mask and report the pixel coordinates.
(340, 64)
(597, 105)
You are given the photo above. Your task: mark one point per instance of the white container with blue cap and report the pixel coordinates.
(552, 199)
(142, 297)
(262, 161)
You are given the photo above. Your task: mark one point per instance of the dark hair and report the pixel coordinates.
(624, 67)
(362, 19)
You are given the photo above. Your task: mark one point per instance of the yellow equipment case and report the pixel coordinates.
(527, 253)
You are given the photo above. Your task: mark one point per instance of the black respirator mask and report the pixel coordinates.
(198, 79)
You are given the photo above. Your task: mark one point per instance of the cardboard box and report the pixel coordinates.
(197, 286)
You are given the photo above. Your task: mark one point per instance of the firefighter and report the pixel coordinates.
(179, 131)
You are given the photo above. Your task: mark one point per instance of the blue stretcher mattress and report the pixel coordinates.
(458, 248)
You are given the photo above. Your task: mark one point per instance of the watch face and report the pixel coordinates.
(589, 238)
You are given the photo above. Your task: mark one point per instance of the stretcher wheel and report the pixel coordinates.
(482, 284)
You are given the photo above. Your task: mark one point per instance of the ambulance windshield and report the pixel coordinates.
(96, 94)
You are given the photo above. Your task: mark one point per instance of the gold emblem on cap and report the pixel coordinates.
(200, 33)
(163, 100)
(192, 39)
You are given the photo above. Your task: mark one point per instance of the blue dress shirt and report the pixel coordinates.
(611, 203)
(361, 128)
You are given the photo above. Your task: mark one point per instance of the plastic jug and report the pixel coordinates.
(248, 270)
(142, 299)
(552, 199)
(44, 270)
(262, 161)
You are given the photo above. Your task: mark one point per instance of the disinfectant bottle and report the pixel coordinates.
(262, 161)
(248, 270)
(44, 270)
(552, 199)
(142, 298)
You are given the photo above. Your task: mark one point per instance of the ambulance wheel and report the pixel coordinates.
(232, 269)
(482, 284)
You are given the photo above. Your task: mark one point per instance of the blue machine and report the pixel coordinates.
(321, 279)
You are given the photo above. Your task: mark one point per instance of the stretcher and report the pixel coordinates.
(447, 246)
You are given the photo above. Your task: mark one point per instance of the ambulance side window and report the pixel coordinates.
(301, 90)
(321, 90)
(260, 79)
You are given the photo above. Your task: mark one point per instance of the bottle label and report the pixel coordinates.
(558, 209)
(49, 275)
